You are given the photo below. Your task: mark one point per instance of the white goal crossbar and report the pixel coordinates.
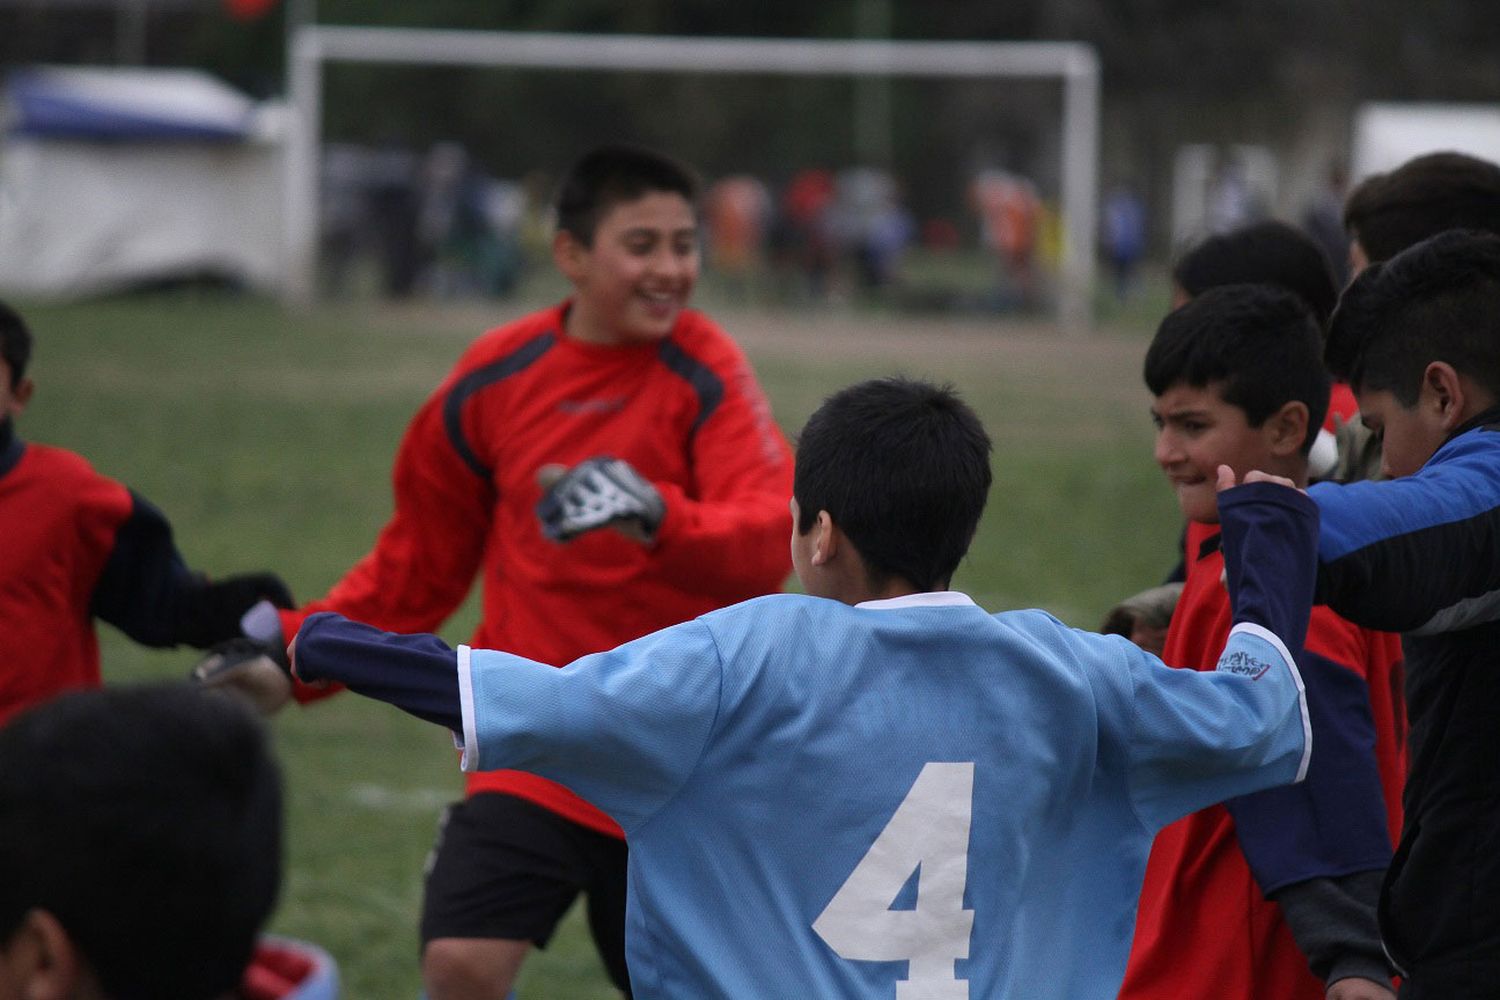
(1074, 64)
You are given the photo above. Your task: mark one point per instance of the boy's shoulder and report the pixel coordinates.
(58, 463)
(506, 339)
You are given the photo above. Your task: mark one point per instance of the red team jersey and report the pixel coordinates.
(58, 521)
(686, 412)
(1204, 927)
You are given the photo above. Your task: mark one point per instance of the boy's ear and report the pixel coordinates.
(1288, 428)
(21, 395)
(568, 254)
(826, 539)
(1448, 392)
(42, 960)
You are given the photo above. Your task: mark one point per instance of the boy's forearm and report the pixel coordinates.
(416, 673)
(1333, 921)
(1270, 540)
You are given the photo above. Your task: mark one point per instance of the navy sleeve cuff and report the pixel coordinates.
(416, 673)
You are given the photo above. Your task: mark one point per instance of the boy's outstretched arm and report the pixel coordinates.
(1199, 738)
(415, 673)
(623, 728)
(147, 591)
(1419, 554)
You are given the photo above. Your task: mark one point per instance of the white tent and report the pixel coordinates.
(112, 177)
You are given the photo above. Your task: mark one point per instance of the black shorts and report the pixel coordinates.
(506, 868)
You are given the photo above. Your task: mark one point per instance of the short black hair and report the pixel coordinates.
(1437, 301)
(903, 468)
(1258, 343)
(147, 820)
(15, 343)
(1424, 196)
(609, 175)
(1262, 253)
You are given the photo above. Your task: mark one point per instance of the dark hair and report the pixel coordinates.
(609, 175)
(147, 820)
(1262, 253)
(15, 343)
(1258, 343)
(1389, 212)
(903, 469)
(1437, 301)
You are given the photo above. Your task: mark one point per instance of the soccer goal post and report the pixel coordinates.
(1074, 65)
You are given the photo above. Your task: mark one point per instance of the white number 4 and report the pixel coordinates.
(930, 832)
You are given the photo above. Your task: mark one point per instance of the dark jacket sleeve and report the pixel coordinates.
(148, 592)
(1419, 554)
(1334, 923)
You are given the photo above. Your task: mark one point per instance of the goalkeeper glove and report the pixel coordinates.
(601, 492)
(258, 671)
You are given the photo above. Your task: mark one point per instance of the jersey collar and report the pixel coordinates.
(932, 599)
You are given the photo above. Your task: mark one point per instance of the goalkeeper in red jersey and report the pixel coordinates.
(607, 467)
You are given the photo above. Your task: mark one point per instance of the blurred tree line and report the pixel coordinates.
(1174, 71)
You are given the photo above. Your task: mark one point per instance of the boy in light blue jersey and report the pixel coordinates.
(879, 789)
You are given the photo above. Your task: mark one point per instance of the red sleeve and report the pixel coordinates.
(427, 555)
(728, 539)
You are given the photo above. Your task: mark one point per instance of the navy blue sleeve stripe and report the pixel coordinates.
(708, 386)
(516, 361)
(415, 673)
(1334, 822)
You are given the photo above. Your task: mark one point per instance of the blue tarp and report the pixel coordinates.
(125, 104)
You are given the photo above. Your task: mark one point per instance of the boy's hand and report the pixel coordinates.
(1226, 479)
(256, 670)
(597, 493)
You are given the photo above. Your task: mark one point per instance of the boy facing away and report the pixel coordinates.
(140, 845)
(608, 467)
(76, 546)
(1238, 380)
(1418, 338)
(879, 789)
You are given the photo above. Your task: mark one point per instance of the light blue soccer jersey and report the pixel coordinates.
(908, 799)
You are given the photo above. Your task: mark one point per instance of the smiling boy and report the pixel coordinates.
(1237, 380)
(608, 467)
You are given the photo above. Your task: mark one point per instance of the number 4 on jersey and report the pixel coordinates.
(930, 832)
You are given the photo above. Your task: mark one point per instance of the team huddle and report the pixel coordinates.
(1279, 779)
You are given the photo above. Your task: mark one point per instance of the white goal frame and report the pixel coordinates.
(1073, 63)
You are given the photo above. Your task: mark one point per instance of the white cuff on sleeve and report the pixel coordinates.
(1266, 635)
(468, 742)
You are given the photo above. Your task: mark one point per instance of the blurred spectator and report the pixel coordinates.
(805, 239)
(871, 226)
(1124, 236)
(1232, 202)
(1323, 220)
(1009, 215)
(391, 195)
(737, 211)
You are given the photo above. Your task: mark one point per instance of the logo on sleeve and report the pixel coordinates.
(1243, 664)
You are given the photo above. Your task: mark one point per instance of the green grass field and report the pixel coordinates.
(267, 437)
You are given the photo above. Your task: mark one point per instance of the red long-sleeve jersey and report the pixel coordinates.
(686, 412)
(58, 521)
